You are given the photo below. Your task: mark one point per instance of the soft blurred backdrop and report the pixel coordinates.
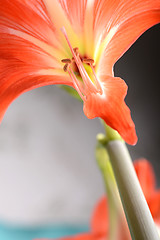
(48, 173)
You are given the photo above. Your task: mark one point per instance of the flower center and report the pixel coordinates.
(87, 86)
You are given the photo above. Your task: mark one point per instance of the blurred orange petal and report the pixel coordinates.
(100, 221)
(146, 177)
(80, 237)
(154, 205)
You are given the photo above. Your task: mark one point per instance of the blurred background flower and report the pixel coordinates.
(100, 228)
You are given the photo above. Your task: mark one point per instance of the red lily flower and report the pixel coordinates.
(94, 34)
(100, 218)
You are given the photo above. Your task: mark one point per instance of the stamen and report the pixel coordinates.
(88, 60)
(65, 68)
(76, 50)
(73, 60)
(67, 60)
(87, 81)
(76, 84)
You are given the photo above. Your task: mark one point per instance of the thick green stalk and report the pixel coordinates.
(103, 162)
(138, 215)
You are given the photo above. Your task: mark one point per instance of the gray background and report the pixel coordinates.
(47, 168)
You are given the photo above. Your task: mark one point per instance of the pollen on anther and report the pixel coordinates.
(67, 60)
(75, 50)
(88, 60)
(65, 68)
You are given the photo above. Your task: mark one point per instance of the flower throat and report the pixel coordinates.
(87, 86)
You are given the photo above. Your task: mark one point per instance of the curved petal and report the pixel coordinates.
(17, 77)
(100, 221)
(110, 106)
(30, 54)
(28, 20)
(28, 16)
(124, 36)
(60, 17)
(29, 51)
(146, 176)
(75, 10)
(108, 13)
(117, 25)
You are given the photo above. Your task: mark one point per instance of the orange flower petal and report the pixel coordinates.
(146, 176)
(24, 66)
(29, 17)
(108, 13)
(110, 106)
(125, 34)
(99, 222)
(30, 53)
(154, 205)
(28, 20)
(17, 77)
(16, 47)
(75, 10)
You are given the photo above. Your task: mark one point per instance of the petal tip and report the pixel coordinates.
(130, 136)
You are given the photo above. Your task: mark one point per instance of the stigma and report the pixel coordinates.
(84, 86)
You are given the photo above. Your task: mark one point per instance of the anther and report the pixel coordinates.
(88, 60)
(76, 50)
(67, 60)
(65, 68)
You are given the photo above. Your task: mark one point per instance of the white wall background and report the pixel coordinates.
(47, 168)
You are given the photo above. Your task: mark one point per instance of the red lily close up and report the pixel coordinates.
(100, 218)
(76, 43)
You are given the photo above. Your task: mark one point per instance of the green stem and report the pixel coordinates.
(102, 158)
(138, 215)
